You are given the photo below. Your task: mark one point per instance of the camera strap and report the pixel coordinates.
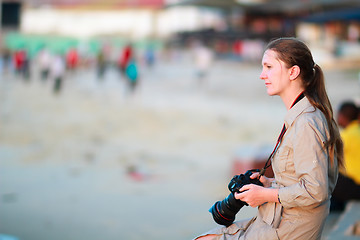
(282, 133)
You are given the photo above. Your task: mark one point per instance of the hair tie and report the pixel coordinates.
(314, 67)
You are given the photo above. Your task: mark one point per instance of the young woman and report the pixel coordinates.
(295, 203)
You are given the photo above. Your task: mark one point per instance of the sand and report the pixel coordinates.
(97, 162)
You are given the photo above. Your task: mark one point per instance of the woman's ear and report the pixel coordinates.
(294, 72)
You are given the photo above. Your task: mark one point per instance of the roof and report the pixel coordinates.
(335, 15)
(89, 3)
(270, 6)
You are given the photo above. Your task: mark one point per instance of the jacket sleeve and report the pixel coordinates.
(310, 164)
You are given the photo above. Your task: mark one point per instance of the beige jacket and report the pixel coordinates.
(305, 180)
(303, 175)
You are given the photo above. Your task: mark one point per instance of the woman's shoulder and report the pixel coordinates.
(312, 113)
(313, 120)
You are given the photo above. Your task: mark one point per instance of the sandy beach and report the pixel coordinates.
(97, 162)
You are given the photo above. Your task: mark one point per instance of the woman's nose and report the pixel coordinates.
(262, 75)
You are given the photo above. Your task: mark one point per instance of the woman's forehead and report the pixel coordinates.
(270, 56)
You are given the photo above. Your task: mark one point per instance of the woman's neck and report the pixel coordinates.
(290, 97)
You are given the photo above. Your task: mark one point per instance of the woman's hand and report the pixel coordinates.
(252, 194)
(264, 180)
(255, 195)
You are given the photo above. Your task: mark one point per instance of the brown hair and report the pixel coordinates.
(294, 52)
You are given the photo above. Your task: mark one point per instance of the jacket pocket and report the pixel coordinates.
(281, 158)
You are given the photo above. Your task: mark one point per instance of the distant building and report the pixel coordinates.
(333, 27)
(122, 18)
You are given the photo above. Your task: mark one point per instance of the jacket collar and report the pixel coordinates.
(302, 106)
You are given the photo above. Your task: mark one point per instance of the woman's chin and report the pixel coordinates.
(270, 93)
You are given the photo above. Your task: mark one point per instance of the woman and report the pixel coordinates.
(295, 203)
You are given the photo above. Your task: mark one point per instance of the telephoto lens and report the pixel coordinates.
(224, 211)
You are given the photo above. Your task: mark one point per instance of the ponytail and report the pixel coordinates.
(315, 91)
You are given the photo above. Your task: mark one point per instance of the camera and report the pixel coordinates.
(224, 211)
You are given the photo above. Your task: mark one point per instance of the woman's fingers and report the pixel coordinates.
(255, 175)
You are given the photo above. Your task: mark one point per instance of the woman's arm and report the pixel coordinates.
(255, 195)
(310, 166)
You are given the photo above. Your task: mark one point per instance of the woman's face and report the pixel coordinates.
(274, 73)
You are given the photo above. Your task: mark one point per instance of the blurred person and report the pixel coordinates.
(20, 56)
(132, 75)
(44, 60)
(348, 185)
(295, 203)
(72, 59)
(125, 57)
(101, 64)
(57, 72)
(104, 59)
(150, 56)
(129, 67)
(203, 57)
(26, 66)
(6, 57)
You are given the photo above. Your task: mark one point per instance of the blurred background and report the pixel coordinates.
(126, 119)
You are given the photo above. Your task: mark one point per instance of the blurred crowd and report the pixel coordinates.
(127, 61)
(54, 66)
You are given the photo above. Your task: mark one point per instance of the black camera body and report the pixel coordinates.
(238, 181)
(224, 211)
